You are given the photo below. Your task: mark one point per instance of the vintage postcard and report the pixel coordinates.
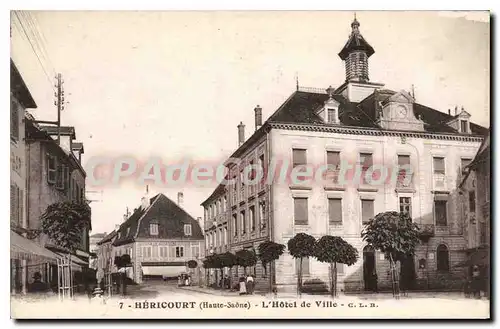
(250, 164)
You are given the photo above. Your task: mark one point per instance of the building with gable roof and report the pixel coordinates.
(160, 237)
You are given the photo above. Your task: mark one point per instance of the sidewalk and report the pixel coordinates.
(217, 292)
(361, 296)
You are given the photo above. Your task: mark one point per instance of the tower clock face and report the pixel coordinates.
(402, 111)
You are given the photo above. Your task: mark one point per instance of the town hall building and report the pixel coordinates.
(362, 123)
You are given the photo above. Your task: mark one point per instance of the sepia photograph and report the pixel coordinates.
(250, 164)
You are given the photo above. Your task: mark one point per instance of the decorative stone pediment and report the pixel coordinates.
(396, 113)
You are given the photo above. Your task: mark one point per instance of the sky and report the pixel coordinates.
(176, 84)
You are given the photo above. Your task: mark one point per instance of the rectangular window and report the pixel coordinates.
(305, 266)
(472, 201)
(235, 225)
(340, 268)
(365, 162)
(179, 252)
(146, 252)
(262, 165)
(483, 237)
(332, 116)
(464, 126)
(403, 166)
(155, 251)
(225, 236)
(299, 157)
(333, 158)
(464, 163)
(243, 222)
(300, 211)
(14, 120)
(153, 229)
(252, 218)
(164, 251)
(335, 211)
(438, 165)
(66, 174)
(367, 210)
(405, 205)
(195, 251)
(187, 229)
(440, 212)
(51, 169)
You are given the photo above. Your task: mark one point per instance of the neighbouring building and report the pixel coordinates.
(22, 250)
(366, 125)
(94, 239)
(56, 175)
(160, 237)
(216, 216)
(476, 207)
(105, 254)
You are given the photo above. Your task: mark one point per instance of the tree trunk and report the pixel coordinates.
(395, 285)
(299, 279)
(335, 279)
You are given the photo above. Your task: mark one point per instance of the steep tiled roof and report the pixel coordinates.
(169, 216)
(301, 107)
(19, 89)
(107, 238)
(356, 42)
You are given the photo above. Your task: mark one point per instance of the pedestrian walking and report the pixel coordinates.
(476, 282)
(243, 287)
(250, 284)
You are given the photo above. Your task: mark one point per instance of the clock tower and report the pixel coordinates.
(355, 54)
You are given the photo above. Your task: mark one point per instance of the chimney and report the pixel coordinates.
(456, 110)
(180, 199)
(241, 133)
(144, 202)
(258, 117)
(449, 112)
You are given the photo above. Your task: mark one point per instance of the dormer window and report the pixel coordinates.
(153, 229)
(332, 116)
(187, 229)
(464, 126)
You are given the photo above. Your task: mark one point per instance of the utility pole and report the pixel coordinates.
(59, 102)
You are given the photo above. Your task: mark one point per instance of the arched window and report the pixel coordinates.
(443, 263)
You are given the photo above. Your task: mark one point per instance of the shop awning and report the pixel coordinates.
(166, 271)
(480, 257)
(22, 248)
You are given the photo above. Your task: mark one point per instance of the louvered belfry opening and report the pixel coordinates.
(356, 66)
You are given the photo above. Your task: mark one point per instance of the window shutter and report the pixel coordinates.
(403, 160)
(366, 160)
(335, 211)
(21, 207)
(333, 158)
(439, 165)
(13, 204)
(60, 177)
(300, 210)
(367, 210)
(299, 157)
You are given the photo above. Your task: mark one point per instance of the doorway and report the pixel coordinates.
(369, 268)
(408, 274)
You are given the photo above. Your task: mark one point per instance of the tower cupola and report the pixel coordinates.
(355, 54)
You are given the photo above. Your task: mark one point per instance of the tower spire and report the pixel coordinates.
(355, 54)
